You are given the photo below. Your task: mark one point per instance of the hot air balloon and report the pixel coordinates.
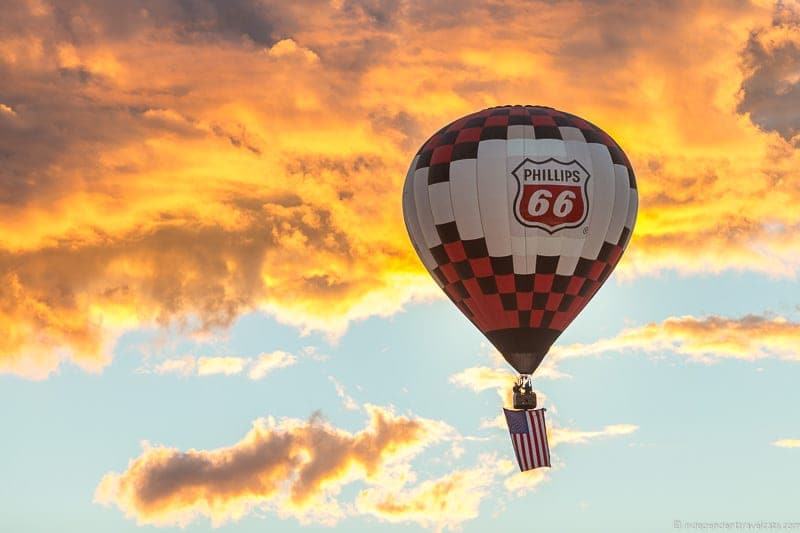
(520, 214)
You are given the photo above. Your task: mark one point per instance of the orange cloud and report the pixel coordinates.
(139, 189)
(292, 467)
(787, 443)
(35, 337)
(442, 503)
(705, 339)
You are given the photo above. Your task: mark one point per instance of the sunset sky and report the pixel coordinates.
(212, 317)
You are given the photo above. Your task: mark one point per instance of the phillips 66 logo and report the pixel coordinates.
(551, 194)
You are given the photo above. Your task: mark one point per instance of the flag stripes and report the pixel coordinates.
(529, 438)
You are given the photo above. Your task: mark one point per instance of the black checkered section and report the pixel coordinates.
(459, 139)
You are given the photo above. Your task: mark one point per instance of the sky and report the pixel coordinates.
(212, 318)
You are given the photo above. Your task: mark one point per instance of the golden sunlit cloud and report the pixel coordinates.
(501, 380)
(787, 443)
(191, 165)
(269, 362)
(705, 339)
(255, 367)
(442, 503)
(524, 482)
(291, 467)
(481, 378)
(226, 365)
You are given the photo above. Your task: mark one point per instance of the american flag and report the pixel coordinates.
(529, 436)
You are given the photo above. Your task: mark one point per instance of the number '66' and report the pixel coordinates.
(539, 203)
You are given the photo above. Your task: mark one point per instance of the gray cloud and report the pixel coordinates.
(771, 91)
(84, 21)
(292, 465)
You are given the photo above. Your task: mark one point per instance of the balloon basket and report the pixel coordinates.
(524, 397)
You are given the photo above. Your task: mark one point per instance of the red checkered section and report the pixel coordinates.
(493, 297)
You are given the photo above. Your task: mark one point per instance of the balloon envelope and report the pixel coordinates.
(520, 213)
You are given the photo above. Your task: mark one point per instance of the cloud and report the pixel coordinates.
(288, 47)
(521, 483)
(705, 339)
(347, 401)
(771, 90)
(572, 436)
(292, 467)
(35, 338)
(268, 362)
(299, 469)
(140, 191)
(183, 366)
(208, 366)
(481, 378)
(256, 367)
(442, 503)
(787, 443)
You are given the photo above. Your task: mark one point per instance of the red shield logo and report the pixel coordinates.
(551, 194)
